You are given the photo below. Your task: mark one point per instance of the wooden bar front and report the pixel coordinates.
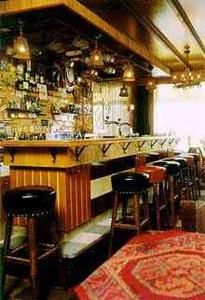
(65, 165)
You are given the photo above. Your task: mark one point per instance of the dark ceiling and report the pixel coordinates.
(53, 32)
(159, 27)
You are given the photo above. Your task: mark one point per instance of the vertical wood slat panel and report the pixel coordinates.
(73, 191)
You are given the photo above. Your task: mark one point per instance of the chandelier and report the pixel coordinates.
(187, 79)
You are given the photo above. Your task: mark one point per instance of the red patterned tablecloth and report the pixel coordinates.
(166, 266)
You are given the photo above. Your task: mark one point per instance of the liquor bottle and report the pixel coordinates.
(41, 78)
(26, 80)
(25, 85)
(37, 78)
(19, 84)
(27, 75)
(31, 83)
(20, 77)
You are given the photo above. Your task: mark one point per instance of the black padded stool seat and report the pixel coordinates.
(184, 182)
(172, 167)
(152, 156)
(129, 186)
(195, 155)
(29, 201)
(130, 182)
(178, 152)
(181, 160)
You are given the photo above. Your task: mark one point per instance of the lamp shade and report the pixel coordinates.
(96, 57)
(21, 47)
(128, 73)
(150, 85)
(123, 91)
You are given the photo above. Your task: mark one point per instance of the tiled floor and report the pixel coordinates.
(86, 236)
(73, 245)
(53, 294)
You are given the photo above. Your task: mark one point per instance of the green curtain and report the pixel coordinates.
(142, 110)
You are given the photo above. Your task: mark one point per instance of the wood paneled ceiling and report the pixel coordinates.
(167, 26)
(149, 32)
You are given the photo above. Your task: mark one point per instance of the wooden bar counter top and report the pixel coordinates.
(69, 153)
(66, 164)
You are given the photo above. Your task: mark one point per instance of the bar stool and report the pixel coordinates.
(126, 185)
(152, 156)
(157, 176)
(141, 159)
(197, 162)
(163, 153)
(200, 163)
(172, 184)
(190, 177)
(177, 152)
(32, 203)
(184, 188)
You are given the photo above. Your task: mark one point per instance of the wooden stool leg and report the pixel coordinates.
(156, 202)
(136, 212)
(7, 240)
(171, 199)
(114, 216)
(8, 229)
(146, 208)
(124, 209)
(33, 254)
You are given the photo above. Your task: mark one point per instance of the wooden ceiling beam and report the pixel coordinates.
(185, 19)
(16, 7)
(150, 27)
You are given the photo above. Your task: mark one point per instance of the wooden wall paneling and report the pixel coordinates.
(73, 191)
(86, 190)
(79, 206)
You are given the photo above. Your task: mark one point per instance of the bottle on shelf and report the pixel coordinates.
(37, 78)
(41, 78)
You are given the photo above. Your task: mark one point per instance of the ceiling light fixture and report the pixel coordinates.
(110, 70)
(150, 82)
(123, 91)
(151, 85)
(128, 73)
(20, 47)
(96, 57)
(189, 78)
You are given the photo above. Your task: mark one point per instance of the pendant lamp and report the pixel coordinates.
(96, 57)
(123, 91)
(128, 73)
(21, 47)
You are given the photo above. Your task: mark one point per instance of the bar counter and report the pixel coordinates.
(66, 165)
(69, 153)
